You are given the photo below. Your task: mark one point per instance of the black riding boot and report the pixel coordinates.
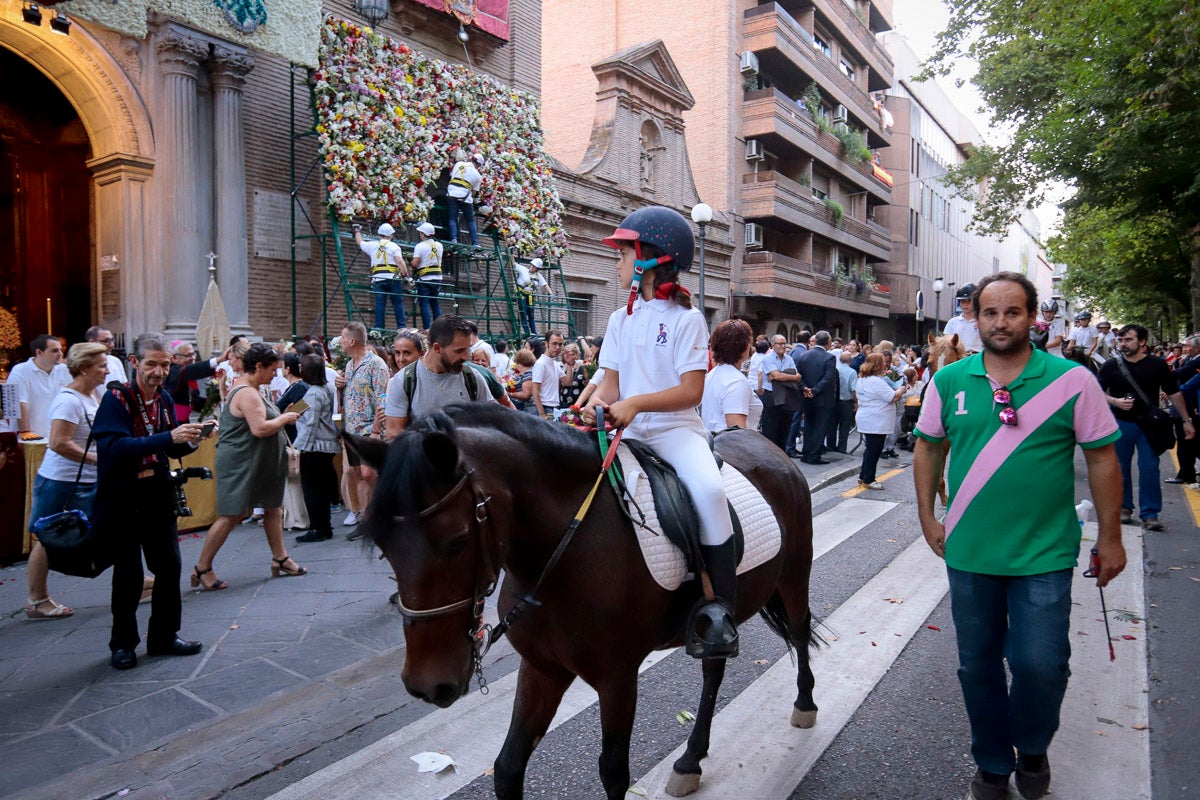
(712, 631)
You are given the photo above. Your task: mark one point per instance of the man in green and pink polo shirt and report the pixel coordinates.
(1013, 416)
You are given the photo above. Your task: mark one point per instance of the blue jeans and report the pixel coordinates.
(51, 496)
(1149, 488)
(1026, 620)
(427, 296)
(383, 290)
(453, 206)
(526, 306)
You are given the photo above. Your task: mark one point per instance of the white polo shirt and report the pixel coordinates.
(967, 330)
(428, 254)
(37, 390)
(546, 372)
(651, 349)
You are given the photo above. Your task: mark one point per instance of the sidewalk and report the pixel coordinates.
(288, 664)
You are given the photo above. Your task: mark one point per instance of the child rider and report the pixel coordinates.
(655, 358)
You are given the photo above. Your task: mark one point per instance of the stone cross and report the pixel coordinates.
(212, 265)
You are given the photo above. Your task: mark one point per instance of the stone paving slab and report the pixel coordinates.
(289, 666)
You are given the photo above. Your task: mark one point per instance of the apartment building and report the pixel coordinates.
(782, 140)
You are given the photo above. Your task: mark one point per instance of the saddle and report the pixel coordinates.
(673, 505)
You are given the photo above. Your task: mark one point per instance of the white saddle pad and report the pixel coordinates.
(664, 560)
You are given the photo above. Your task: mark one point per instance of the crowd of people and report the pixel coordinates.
(659, 374)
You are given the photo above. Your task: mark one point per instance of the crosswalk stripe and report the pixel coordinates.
(760, 755)
(1098, 752)
(473, 729)
(845, 519)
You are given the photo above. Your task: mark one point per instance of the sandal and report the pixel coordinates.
(57, 610)
(280, 568)
(198, 580)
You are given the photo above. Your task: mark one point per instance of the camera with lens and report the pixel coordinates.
(181, 476)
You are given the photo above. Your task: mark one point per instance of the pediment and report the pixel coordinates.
(650, 64)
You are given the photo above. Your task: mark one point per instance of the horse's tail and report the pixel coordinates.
(774, 613)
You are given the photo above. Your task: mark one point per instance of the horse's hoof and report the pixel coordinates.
(680, 785)
(803, 719)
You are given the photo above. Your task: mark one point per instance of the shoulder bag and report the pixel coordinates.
(73, 545)
(1156, 423)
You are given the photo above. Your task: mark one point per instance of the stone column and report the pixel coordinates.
(228, 71)
(183, 274)
(128, 288)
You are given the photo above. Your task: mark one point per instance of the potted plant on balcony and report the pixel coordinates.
(835, 210)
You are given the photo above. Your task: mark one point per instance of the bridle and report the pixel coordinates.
(482, 635)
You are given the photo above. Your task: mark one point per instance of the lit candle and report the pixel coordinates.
(49, 324)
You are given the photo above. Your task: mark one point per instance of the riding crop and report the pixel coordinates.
(1093, 571)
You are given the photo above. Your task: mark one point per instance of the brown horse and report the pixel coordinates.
(463, 495)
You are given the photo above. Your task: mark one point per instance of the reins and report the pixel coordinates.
(481, 634)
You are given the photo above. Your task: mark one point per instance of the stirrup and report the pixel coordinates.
(711, 631)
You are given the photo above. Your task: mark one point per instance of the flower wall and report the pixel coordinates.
(391, 119)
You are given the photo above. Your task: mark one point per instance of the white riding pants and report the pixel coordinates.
(686, 449)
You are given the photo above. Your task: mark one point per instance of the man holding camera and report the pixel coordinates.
(136, 433)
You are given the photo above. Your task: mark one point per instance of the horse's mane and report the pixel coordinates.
(555, 441)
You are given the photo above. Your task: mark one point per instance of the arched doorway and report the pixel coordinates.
(46, 249)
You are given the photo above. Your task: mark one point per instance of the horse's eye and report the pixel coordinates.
(456, 544)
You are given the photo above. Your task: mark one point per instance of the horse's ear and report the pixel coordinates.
(954, 341)
(931, 338)
(366, 450)
(442, 452)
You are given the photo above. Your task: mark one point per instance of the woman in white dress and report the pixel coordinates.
(728, 401)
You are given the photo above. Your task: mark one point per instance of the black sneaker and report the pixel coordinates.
(1033, 776)
(313, 536)
(988, 786)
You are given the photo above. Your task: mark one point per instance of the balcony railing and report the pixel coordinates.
(858, 29)
(770, 111)
(769, 194)
(769, 274)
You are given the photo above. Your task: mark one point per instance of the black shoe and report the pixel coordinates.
(712, 629)
(355, 534)
(314, 536)
(123, 659)
(176, 648)
(1033, 776)
(791, 453)
(815, 461)
(989, 786)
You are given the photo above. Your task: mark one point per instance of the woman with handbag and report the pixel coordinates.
(67, 476)
(251, 467)
(318, 443)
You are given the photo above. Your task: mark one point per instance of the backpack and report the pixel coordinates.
(410, 384)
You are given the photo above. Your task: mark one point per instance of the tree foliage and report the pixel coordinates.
(1104, 96)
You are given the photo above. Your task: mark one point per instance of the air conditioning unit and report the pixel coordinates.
(754, 150)
(754, 234)
(749, 63)
(840, 114)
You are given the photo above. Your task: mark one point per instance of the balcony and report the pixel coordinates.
(786, 51)
(768, 274)
(773, 118)
(767, 195)
(852, 30)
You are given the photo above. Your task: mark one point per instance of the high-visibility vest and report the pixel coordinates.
(383, 268)
(434, 267)
(457, 177)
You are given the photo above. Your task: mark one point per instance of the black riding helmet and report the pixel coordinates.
(662, 227)
(965, 291)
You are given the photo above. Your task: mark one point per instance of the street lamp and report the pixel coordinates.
(702, 214)
(939, 286)
(374, 11)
